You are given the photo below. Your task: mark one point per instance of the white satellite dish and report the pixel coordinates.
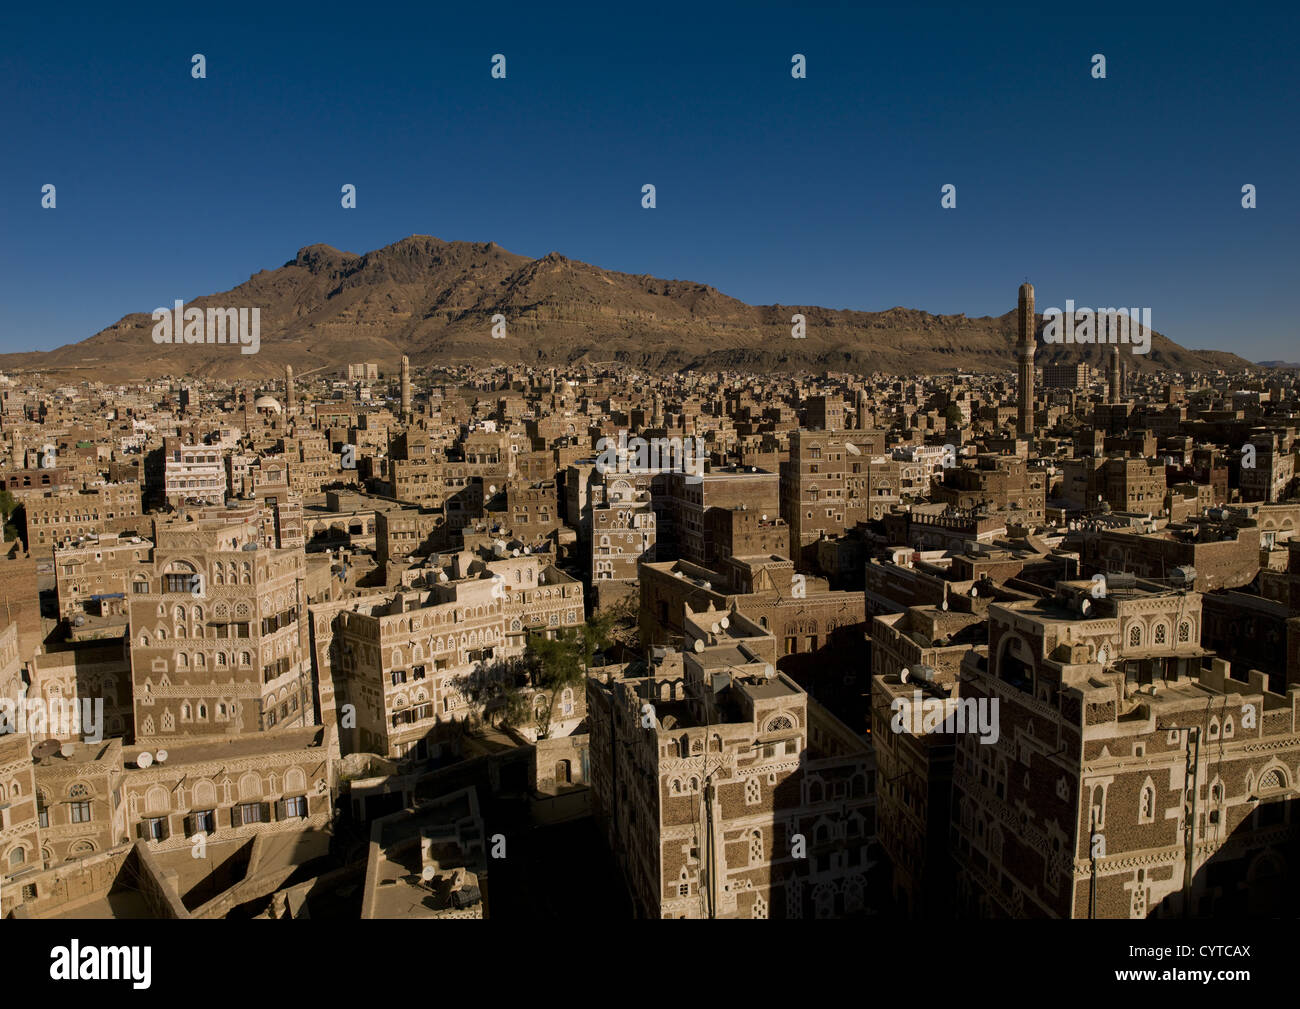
(492, 488)
(161, 756)
(902, 677)
(427, 873)
(699, 645)
(769, 671)
(144, 760)
(724, 623)
(974, 592)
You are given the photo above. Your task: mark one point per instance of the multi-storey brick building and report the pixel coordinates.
(79, 798)
(1273, 469)
(402, 660)
(61, 517)
(192, 473)
(623, 533)
(219, 633)
(833, 481)
(1127, 779)
(279, 782)
(728, 792)
(999, 483)
(94, 577)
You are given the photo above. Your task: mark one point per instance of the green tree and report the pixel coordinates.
(564, 661)
(7, 508)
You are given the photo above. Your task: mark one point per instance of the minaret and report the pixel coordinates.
(862, 410)
(406, 387)
(1025, 355)
(1114, 375)
(290, 394)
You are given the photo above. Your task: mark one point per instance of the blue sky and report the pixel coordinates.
(1123, 191)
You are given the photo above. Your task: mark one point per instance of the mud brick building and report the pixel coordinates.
(1128, 779)
(743, 798)
(219, 642)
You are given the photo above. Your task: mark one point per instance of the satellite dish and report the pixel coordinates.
(724, 623)
(427, 873)
(974, 592)
(944, 606)
(698, 646)
(492, 488)
(769, 671)
(902, 677)
(514, 552)
(144, 760)
(161, 756)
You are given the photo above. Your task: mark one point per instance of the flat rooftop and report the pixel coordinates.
(245, 746)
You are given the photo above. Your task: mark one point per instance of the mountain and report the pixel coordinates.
(435, 301)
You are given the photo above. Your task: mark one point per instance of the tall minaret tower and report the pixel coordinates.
(290, 394)
(1025, 347)
(1115, 394)
(406, 387)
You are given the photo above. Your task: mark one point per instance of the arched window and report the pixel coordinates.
(1184, 632)
(1134, 636)
(1147, 804)
(250, 786)
(157, 800)
(755, 846)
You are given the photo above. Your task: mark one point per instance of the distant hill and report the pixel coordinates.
(435, 301)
